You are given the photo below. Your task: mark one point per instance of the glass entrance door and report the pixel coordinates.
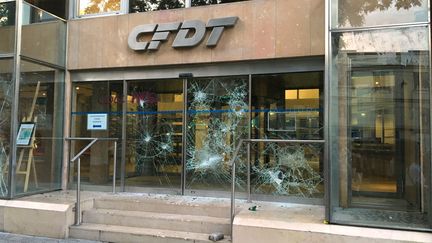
(97, 98)
(154, 122)
(217, 118)
(384, 149)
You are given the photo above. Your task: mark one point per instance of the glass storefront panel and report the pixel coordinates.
(7, 27)
(43, 36)
(217, 119)
(97, 163)
(289, 107)
(380, 141)
(361, 13)
(40, 147)
(154, 128)
(6, 99)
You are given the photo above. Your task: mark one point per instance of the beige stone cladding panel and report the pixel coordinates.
(73, 45)
(114, 44)
(166, 54)
(91, 38)
(38, 219)
(293, 37)
(199, 53)
(42, 41)
(266, 29)
(317, 27)
(231, 44)
(138, 58)
(245, 234)
(260, 20)
(7, 37)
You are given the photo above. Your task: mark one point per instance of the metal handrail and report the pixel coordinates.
(77, 157)
(233, 164)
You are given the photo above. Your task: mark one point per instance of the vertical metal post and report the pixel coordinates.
(78, 195)
(188, 3)
(124, 137)
(429, 185)
(233, 184)
(14, 112)
(115, 167)
(249, 199)
(184, 136)
(327, 94)
(233, 195)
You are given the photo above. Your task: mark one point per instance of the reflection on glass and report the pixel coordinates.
(97, 163)
(287, 106)
(210, 2)
(43, 36)
(136, 6)
(359, 13)
(87, 7)
(7, 13)
(6, 89)
(154, 133)
(56, 7)
(382, 132)
(41, 103)
(217, 120)
(7, 27)
(373, 127)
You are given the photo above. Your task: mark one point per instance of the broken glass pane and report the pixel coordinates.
(287, 107)
(6, 90)
(217, 120)
(154, 133)
(286, 169)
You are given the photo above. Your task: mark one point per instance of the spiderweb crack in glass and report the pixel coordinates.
(217, 120)
(5, 107)
(291, 172)
(155, 143)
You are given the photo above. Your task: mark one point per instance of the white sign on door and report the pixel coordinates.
(97, 121)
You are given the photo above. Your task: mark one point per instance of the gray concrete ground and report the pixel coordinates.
(7, 237)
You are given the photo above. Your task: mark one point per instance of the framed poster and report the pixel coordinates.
(25, 133)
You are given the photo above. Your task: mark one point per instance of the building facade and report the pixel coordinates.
(328, 101)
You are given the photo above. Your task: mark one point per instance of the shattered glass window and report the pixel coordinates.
(154, 133)
(287, 107)
(6, 95)
(217, 120)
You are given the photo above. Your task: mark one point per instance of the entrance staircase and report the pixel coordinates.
(150, 220)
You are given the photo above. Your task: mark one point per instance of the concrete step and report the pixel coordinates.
(178, 222)
(124, 234)
(165, 206)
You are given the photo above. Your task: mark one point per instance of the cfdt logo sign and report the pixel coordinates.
(189, 33)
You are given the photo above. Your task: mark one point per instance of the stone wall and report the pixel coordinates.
(266, 29)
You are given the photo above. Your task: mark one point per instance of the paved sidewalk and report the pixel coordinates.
(7, 237)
